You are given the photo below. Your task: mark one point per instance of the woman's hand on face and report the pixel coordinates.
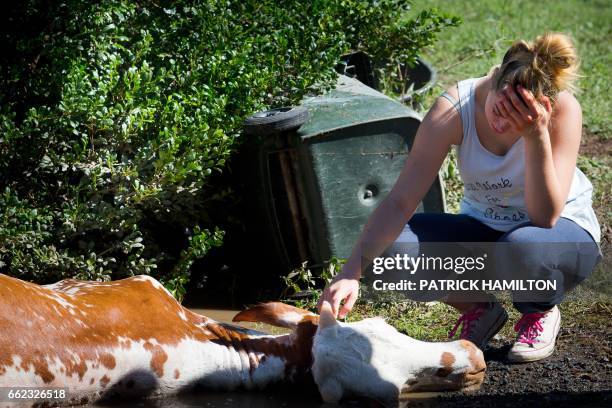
(341, 289)
(526, 115)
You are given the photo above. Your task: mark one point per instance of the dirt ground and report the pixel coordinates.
(578, 374)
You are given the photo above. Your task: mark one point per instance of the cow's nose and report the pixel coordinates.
(474, 375)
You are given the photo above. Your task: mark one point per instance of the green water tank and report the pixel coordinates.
(319, 184)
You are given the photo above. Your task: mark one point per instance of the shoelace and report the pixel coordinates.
(529, 327)
(468, 318)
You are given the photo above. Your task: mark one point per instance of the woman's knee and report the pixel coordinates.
(564, 231)
(528, 246)
(519, 248)
(526, 233)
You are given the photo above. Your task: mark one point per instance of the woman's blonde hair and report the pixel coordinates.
(546, 66)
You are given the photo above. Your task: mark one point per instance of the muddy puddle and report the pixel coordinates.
(280, 398)
(225, 316)
(261, 400)
(285, 397)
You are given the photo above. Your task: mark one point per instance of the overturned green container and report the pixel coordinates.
(322, 182)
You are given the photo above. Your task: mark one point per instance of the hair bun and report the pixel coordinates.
(546, 66)
(554, 54)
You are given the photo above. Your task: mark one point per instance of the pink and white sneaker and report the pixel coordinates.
(537, 333)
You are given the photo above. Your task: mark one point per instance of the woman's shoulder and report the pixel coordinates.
(453, 91)
(566, 104)
(442, 119)
(566, 119)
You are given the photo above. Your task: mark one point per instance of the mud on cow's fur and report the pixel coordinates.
(131, 338)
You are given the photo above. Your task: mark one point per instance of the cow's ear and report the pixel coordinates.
(274, 313)
(327, 320)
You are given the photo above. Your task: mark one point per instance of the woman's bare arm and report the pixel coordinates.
(440, 128)
(552, 140)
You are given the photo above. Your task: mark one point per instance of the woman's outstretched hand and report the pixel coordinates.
(526, 114)
(342, 289)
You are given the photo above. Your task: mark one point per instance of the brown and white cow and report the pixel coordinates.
(132, 338)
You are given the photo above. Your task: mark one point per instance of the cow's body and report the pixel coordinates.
(131, 337)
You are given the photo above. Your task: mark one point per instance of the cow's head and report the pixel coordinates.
(370, 358)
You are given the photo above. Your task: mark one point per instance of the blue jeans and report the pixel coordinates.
(568, 268)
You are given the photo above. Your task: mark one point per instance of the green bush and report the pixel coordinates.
(115, 115)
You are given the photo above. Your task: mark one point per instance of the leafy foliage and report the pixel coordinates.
(303, 286)
(115, 115)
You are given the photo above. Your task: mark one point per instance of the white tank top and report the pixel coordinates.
(494, 186)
